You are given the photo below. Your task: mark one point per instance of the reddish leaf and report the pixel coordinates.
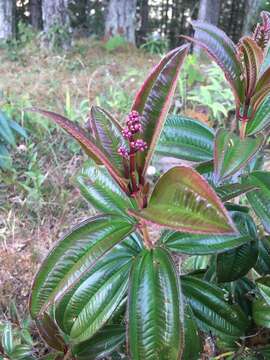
(154, 98)
(87, 142)
(108, 136)
(223, 51)
(183, 200)
(261, 91)
(50, 332)
(252, 60)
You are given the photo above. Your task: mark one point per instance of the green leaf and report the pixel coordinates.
(154, 99)
(5, 158)
(102, 344)
(231, 191)
(264, 287)
(193, 343)
(96, 299)
(17, 128)
(22, 352)
(187, 139)
(154, 308)
(194, 244)
(263, 263)
(5, 131)
(7, 339)
(261, 313)
(223, 51)
(98, 187)
(50, 332)
(241, 291)
(87, 142)
(232, 153)
(261, 119)
(235, 263)
(206, 169)
(184, 201)
(74, 256)
(260, 199)
(212, 310)
(90, 290)
(108, 134)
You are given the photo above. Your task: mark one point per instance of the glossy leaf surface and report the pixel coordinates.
(232, 153)
(223, 51)
(262, 90)
(211, 309)
(263, 263)
(102, 344)
(74, 255)
(107, 134)
(235, 263)
(231, 191)
(261, 313)
(97, 297)
(252, 60)
(87, 290)
(193, 343)
(154, 99)
(101, 190)
(87, 142)
(195, 244)
(264, 287)
(50, 332)
(187, 139)
(184, 201)
(154, 308)
(260, 199)
(261, 119)
(206, 169)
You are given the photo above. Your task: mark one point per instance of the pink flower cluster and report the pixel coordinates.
(133, 126)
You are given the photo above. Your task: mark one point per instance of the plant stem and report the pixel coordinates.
(221, 356)
(244, 118)
(243, 129)
(67, 355)
(146, 237)
(132, 172)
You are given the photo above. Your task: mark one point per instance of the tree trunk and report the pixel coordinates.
(208, 12)
(144, 17)
(7, 19)
(56, 22)
(252, 9)
(36, 14)
(120, 19)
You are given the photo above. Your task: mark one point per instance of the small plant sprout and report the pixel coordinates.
(112, 283)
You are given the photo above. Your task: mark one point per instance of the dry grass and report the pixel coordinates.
(31, 221)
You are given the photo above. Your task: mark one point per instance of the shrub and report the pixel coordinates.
(118, 272)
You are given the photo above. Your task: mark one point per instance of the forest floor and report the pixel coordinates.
(38, 199)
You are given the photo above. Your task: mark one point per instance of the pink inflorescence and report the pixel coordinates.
(138, 145)
(133, 126)
(123, 152)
